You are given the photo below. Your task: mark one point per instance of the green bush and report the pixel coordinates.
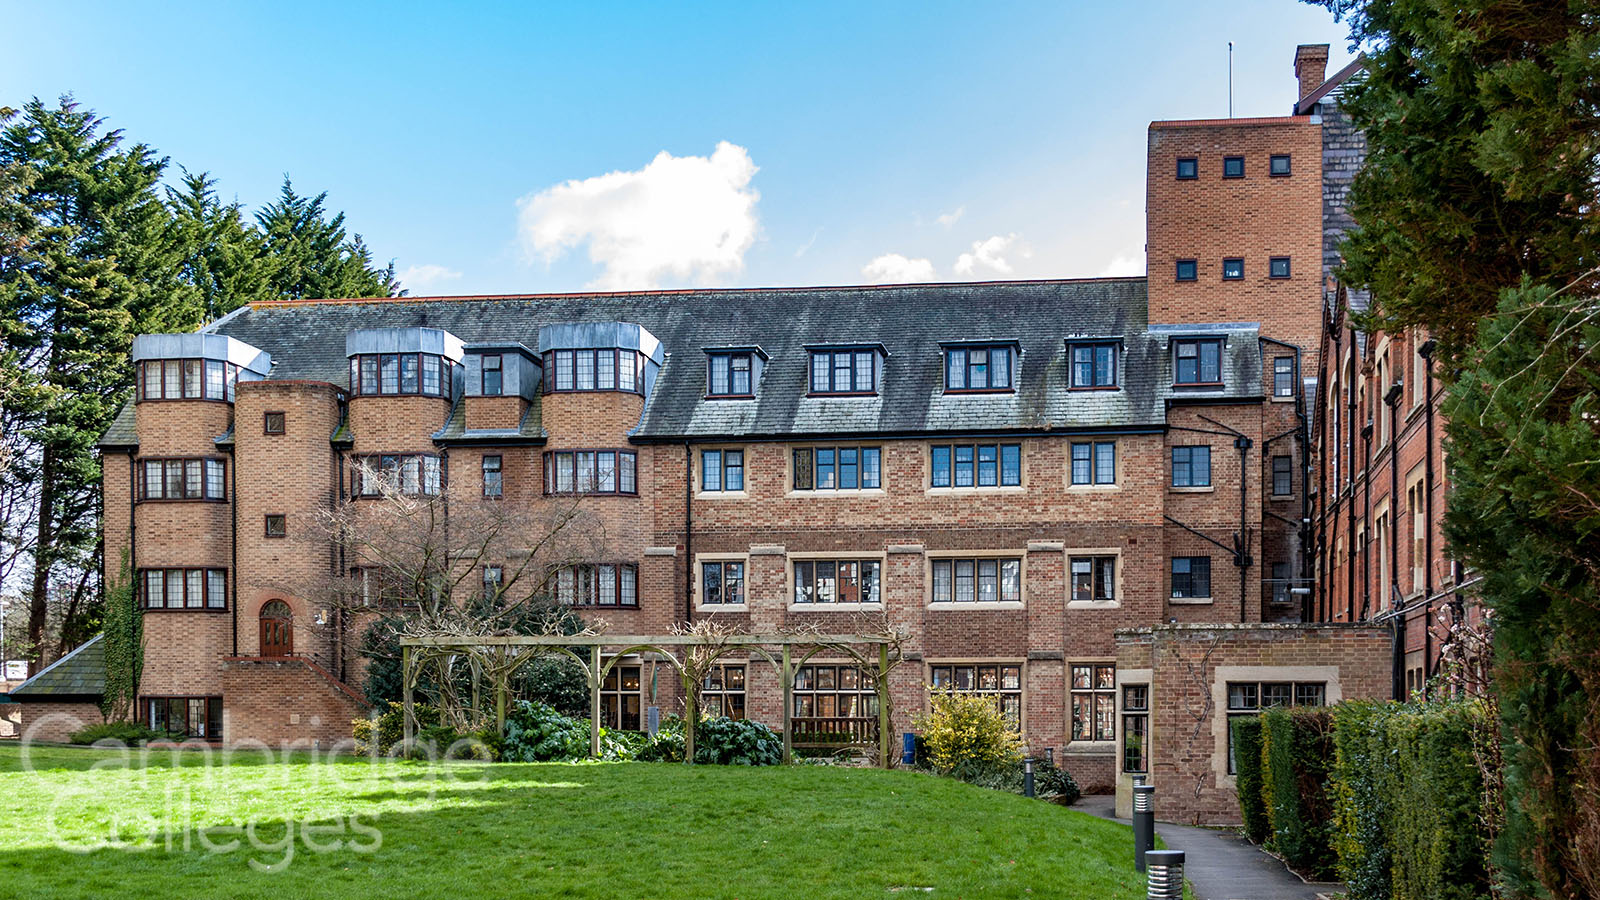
(1437, 848)
(556, 681)
(389, 727)
(1050, 782)
(1296, 750)
(1247, 771)
(736, 742)
(129, 733)
(967, 728)
(535, 732)
(1362, 772)
(666, 745)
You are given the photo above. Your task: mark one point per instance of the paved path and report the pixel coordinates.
(1220, 863)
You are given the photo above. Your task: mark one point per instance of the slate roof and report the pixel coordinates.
(80, 674)
(306, 340)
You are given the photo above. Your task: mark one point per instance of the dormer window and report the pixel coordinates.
(187, 379)
(594, 370)
(1197, 361)
(729, 375)
(978, 368)
(1094, 364)
(845, 370)
(492, 375)
(399, 374)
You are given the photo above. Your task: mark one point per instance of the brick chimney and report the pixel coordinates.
(1310, 67)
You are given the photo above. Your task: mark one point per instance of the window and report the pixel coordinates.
(728, 375)
(1094, 699)
(1281, 583)
(493, 483)
(1001, 681)
(1188, 168)
(591, 472)
(1191, 467)
(1283, 376)
(838, 468)
(1416, 504)
(1233, 269)
(1199, 361)
(722, 583)
(1251, 697)
(411, 474)
(1278, 267)
(976, 465)
(977, 369)
(851, 371)
(192, 717)
(606, 369)
(838, 581)
(982, 580)
(182, 479)
(602, 584)
(1094, 365)
(277, 525)
(1094, 579)
(492, 375)
(833, 692)
(494, 581)
(183, 588)
(1233, 167)
(1278, 166)
(621, 698)
(399, 374)
(1135, 727)
(1191, 577)
(1094, 462)
(186, 379)
(722, 692)
(272, 423)
(1188, 270)
(722, 470)
(1282, 476)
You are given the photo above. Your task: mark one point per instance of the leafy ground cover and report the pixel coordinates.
(353, 827)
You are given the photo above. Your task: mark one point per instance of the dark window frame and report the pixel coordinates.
(1272, 268)
(1187, 465)
(974, 465)
(587, 575)
(731, 357)
(553, 370)
(1098, 694)
(281, 520)
(359, 465)
(968, 368)
(722, 694)
(1229, 162)
(1100, 580)
(212, 733)
(830, 690)
(362, 364)
(498, 471)
(951, 592)
(1094, 349)
(203, 389)
(1136, 728)
(1229, 261)
(142, 478)
(723, 567)
(1006, 689)
(499, 375)
(1201, 346)
(1297, 691)
(1194, 168)
(1092, 458)
(1283, 376)
(1194, 270)
(833, 354)
(811, 585)
(266, 422)
(1196, 577)
(207, 589)
(550, 461)
(1283, 476)
(724, 466)
(806, 466)
(1272, 165)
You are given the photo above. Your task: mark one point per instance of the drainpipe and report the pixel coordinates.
(1302, 440)
(1242, 552)
(688, 534)
(1350, 483)
(133, 559)
(1392, 400)
(339, 559)
(233, 510)
(1366, 518)
(1426, 352)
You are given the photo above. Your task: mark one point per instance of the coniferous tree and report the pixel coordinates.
(223, 256)
(308, 254)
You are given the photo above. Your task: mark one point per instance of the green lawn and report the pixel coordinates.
(595, 830)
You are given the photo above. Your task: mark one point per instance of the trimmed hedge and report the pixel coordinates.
(1410, 801)
(1247, 769)
(1296, 752)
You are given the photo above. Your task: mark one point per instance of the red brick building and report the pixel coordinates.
(1058, 488)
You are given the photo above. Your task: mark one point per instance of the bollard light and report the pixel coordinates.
(1027, 776)
(1164, 877)
(1144, 824)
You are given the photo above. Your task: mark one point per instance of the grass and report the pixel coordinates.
(590, 830)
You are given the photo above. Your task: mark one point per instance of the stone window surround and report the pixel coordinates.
(1221, 675)
(929, 556)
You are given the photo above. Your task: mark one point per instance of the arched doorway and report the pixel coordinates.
(277, 629)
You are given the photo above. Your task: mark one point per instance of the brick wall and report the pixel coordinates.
(56, 721)
(285, 702)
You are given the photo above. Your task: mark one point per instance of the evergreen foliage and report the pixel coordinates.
(1296, 750)
(124, 647)
(1247, 777)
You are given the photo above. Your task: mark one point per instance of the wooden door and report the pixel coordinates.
(277, 629)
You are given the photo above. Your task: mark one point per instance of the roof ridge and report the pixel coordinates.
(670, 292)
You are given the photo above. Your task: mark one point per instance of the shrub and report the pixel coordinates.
(1437, 849)
(666, 745)
(535, 732)
(556, 681)
(1050, 782)
(389, 727)
(967, 728)
(621, 746)
(1361, 810)
(1296, 747)
(1247, 768)
(129, 733)
(736, 742)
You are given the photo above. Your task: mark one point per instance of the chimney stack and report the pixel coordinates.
(1310, 67)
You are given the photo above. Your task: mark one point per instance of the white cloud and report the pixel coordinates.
(806, 247)
(426, 277)
(952, 217)
(1128, 263)
(684, 218)
(990, 254)
(892, 268)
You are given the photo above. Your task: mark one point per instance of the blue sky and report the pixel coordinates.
(508, 148)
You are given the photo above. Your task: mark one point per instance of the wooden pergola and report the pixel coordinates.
(692, 656)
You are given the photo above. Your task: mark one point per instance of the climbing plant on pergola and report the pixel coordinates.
(691, 656)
